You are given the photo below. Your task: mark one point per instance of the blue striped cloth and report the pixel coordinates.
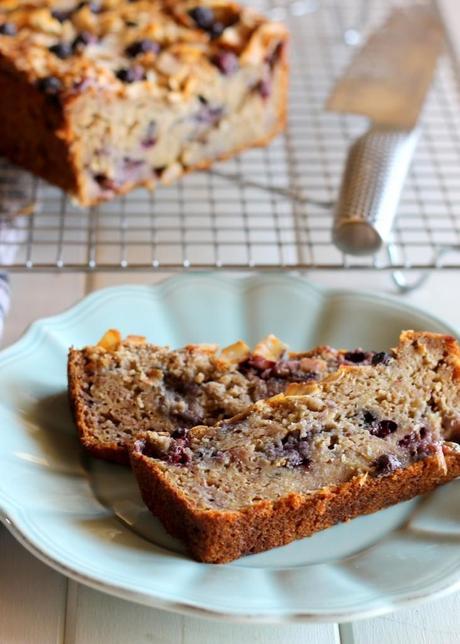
(4, 299)
(17, 202)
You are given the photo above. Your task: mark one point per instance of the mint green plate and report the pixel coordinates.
(85, 518)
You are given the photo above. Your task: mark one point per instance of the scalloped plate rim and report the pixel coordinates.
(195, 610)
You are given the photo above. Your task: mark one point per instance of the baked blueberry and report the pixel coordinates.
(94, 7)
(226, 62)
(105, 182)
(150, 137)
(209, 115)
(380, 358)
(386, 464)
(203, 17)
(8, 29)
(130, 74)
(369, 418)
(49, 85)
(216, 29)
(264, 87)
(61, 50)
(61, 15)
(82, 40)
(385, 427)
(179, 452)
(357, 356)
(144, 46)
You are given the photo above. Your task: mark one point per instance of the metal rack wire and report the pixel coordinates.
(268, 208)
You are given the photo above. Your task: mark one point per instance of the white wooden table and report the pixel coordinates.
(40, 606)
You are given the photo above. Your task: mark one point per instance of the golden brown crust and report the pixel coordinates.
(118, 25)
(218, 537)
(76, 381)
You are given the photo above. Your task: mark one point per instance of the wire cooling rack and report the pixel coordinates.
(268, 208)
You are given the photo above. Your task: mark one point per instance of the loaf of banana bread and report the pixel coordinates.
(102, 96)
(322, 452)
(119, 388)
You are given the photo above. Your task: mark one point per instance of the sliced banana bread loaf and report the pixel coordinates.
(103, 96)
(323, 452)
(119, 388)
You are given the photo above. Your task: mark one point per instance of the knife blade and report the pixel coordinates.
(387, 81)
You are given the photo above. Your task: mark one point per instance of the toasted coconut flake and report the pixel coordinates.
(135, 339)
(300, 389)
(270, 348)
(236, 352)
(111, 340)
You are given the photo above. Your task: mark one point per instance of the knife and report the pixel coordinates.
(387, 81)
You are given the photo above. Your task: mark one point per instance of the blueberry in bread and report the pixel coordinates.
(121, 387)
(114, 94)
(323, 452)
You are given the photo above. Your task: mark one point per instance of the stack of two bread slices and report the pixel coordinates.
(346, 434)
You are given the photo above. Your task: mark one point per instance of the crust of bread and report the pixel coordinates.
(109, 451)
(215, 536)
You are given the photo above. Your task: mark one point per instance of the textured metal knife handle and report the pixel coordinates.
(372, 183)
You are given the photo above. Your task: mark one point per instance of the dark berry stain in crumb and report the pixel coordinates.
(386, 464)
(275, 55)
(202, 16)
(8, 29)
(408, 440)
(209, 114)
(280, 371)
(150, 137)
(61, 50)
(105, 182)
(61, 15)
(384, 428)
(259, 363)
(379, 428)
(143, 46)
(180, 432)
(380, 358)
(226, 62)
(216, 30)
(419, 444)
(357, 356)
(94, 7)
(130, 74)
(179, 452)
(369, 418)
(49, 85)
(132, 164)
(264, 87)
(83, 39)
(294, 450)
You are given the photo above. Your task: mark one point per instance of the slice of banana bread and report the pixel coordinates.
(323, 452)
(119, 388)
(100, 97)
